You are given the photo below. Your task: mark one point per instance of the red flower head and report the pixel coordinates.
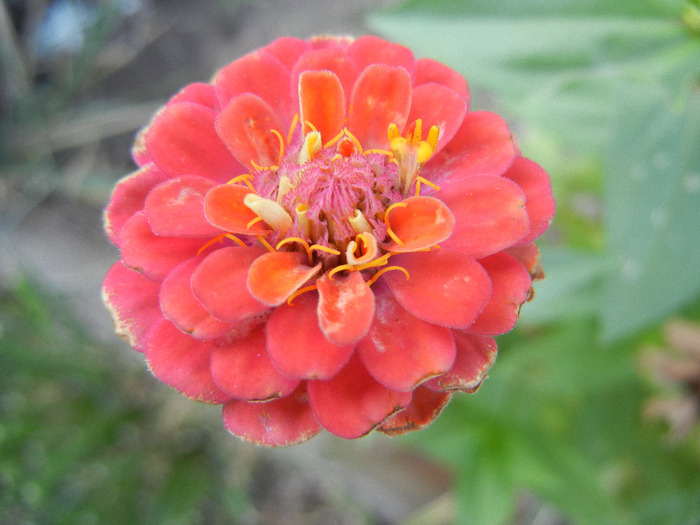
(324, 237)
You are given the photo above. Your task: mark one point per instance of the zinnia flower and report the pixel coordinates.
(324, 237)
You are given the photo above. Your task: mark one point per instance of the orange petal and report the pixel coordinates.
(425, 407)
(322, 102)
(275, 276)
(224, 207)
(423, 222)
(345, 308)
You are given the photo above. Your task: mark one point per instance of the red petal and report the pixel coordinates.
(150, 254)
(181, 306)
(445, 288)
(511, 288)
(425, 407)
(259, 73)
(298, 347)
(276, 423)
(224, 208)
(128, 198)
(352, 403)
(245, 125)
(243, 368)
(369, 49)
(422, 223)
(475, 355)
(490, 213)
(175, 208)
(539, 202)
(287, 50)
(429, 70)
(333, 59)
(483, 145)
(220, 283)
(345, 308)
(275, 276)
(438, 106)
(182, 141)
(400, 350)
(381, 96)
(132, 300)
(199, 93)
(322, 103)
(183, 363)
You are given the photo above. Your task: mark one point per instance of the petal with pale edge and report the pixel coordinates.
(446, 288)
(429, 70)
(245, 125)
(276, 275)
(400, 350)
(151, 254)
(276, 423)
(381, 96)
(345, 308)
(425, 407)
(224, 208)
(132, 301)
(483, 145)
(175, 208)
(260, 73)
(511, 288)
(181, 306)
(182, 141)
(539, 202)
(220, 283)
(475, 355)
(421, 223)
(322, 101)
(298, 347)
(243, 368)
(438, 106)
(129, 197)
(352, 403)
(369, 49)
(183, 363)
(490, 213)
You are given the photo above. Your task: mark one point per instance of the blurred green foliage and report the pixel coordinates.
(606, 96)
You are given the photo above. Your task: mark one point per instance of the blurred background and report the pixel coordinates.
(590, 415)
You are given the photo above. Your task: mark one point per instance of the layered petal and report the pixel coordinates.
(220, 282)
(297, 345)
(369, 49)
(345, 308)
(419, 223)
(424, 408)
(475, 355)
(400, 350)
(287, 50)
(322, 102)
(490, 214)
(437, 105)
(183, 141)
(241, 367)
(429, 70)
(175, 208)
(132, 301)
(199, 93)
(446, 288)
(182, 307)
(129, 197)
(273, 277)
(511, 288)
(182, 362)
(276, 423)
(381, 96)
(333, 59)
(150, 254)
(224, 207)
(352, 403)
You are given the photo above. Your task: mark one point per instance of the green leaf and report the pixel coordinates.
(652, 198)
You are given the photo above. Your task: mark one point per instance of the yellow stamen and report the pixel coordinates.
(324, 249)
(302, 220)
(295, 120)
(379, 261)
(359, 223)
(381, 272)
(334, 139)
(340, 268)
(420, 180)
(254, 221)
(432, 137)
(299, 240)
(299, 292)
(270, 211)
(392, 132)
(281, 141)
(386, 221)
(354, 139)
(417, 132)
(245, 178)
(264, 242)
(220, 238)
(382, 151)
(312, 144)
(313, 128)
